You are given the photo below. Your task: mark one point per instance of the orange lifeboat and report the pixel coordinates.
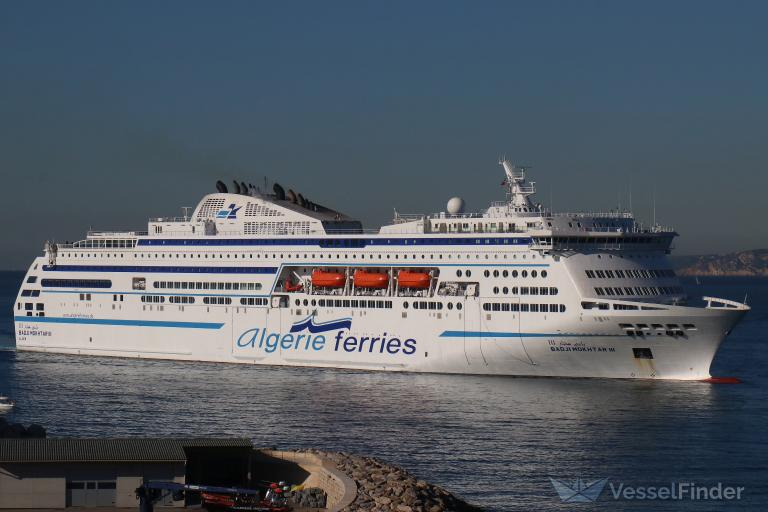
(375, 280)
(328, 279)
(408, 279)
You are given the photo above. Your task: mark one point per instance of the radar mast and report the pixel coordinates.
(518, 190)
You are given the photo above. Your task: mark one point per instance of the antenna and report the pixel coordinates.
(630, 196)
(654, 203)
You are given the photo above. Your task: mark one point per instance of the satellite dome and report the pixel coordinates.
(455, 205)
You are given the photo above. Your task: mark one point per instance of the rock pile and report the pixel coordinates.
(384, 487)
(308, 498)
(19, 431)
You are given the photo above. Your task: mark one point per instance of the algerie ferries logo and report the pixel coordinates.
(308, 324)
(228, 213)
(306, 336)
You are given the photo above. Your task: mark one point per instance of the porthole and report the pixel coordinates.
(458, 273)
(505, 273)
(405, 304)
(505, 290)
(543, 273)
(450, 305)
(496, 290)
(458, 305)
(525, 273)
(534, 273)
(514, 273)
(486, 273)
(469, 273)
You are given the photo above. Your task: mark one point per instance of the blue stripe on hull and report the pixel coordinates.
(168, 270)
(336, 243)
(107, 321)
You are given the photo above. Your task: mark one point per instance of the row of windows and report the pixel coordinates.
(76, 283)
(483, 227)
(186, 285)
(566, 240)
(631, 273)
(30, 306)
(181, 300)
(221, 301)
(527, 290)
(658, 327)
(352, 303)
(669, 332)
(503, 273)
(524, 273)
(619, 307)
(639, 290)
(153, 298)
(251, 256)
(429, 305)
(254, 301)
(105, 244)
(524, 308)
(30, 293)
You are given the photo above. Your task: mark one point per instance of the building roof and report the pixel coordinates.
(108, 449)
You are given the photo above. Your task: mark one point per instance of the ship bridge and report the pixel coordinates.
(617, 229)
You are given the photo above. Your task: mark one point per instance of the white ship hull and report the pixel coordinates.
(277, 280)
(469, 341)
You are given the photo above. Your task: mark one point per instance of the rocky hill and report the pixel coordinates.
(744, 263)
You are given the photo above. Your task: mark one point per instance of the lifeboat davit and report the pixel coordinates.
(328, 279)
(408, 279)
(375, 280)
(290, 287)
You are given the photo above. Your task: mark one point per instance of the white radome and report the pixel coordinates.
(455, 205)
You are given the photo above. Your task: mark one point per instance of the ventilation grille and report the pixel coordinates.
(276, 228)
(258, 210)
(210, 208)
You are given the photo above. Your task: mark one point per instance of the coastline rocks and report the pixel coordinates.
(309, 498)
(385, 487)
(19, 431)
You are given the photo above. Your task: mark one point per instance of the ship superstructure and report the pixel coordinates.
(274, 278)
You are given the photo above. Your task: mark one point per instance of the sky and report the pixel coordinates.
(114, 112)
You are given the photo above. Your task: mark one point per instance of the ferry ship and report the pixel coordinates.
(272, 278)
